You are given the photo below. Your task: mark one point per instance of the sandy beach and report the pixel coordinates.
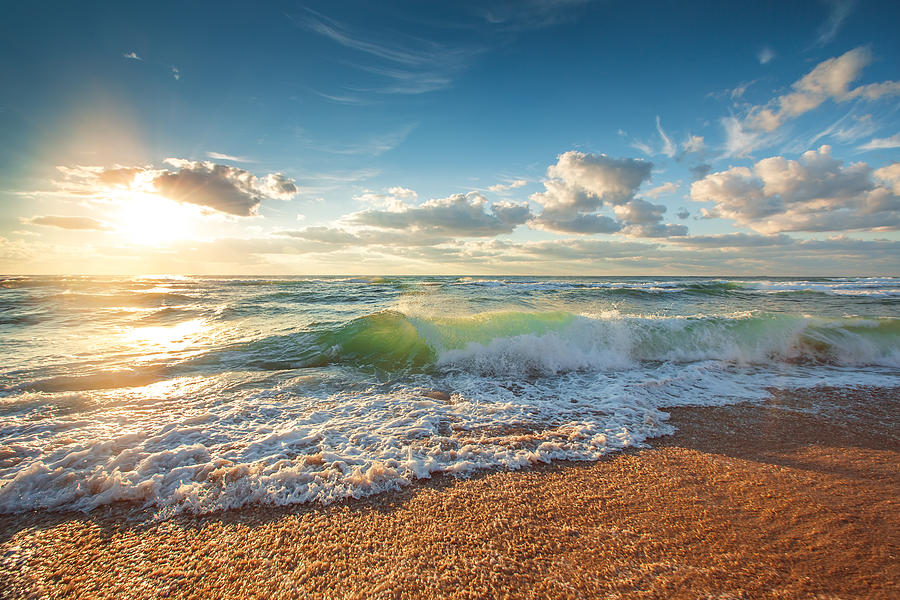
(796, 497)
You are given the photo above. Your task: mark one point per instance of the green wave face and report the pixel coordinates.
(393, 341)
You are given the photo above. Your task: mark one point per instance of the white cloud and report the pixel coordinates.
(738, 140)
(829, 80)
(579, 185)
(645, 148)
(765, 55)
(221, 156)
(394, 200)
(882, 143)
(502, 187)
(694, 143)
(816, 193)
(132, 56)
(666, 188)
(176, 73)
(668, 147)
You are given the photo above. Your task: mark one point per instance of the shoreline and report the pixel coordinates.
(795, 496)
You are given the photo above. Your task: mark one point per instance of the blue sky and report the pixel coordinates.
(543, 136)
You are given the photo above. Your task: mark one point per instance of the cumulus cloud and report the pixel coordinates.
(579, 185)
(829, 80)
(132, 56)
(466, 215)
(221, 188)
(60, 222)
(816, 193)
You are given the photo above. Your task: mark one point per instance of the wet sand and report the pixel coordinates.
(796, 497)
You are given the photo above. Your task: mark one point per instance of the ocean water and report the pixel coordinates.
(197, 394)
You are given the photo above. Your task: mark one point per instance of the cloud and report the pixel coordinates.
(840, 10)
(222, 188)
(668, 147)
(882, 143)
(829, 80)
(816, 193)
(76, 223)
(765, 55)
(739, 141)
(465, 215)
(503, 187)
(694, 143)
(666, 188)
(375, 145)
(531, 14)
(406, 64)
(220, 156)
(132, 56)
(700, 171)
(579, 185)
(394, 200)
(176, 73)
(683, 214)
(734, 240)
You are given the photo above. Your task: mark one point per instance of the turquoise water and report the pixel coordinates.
(206, 393)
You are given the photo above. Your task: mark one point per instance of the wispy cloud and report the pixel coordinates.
(666, 188)
(530, 14)
(71, 223)
(830, 80)
(503, 187)
(765, 55)
(220, 156)
(839, 11)
(668, 147)
(176, 73)
(375, 145)
(882, 143)
(132, 56)
(405, 64)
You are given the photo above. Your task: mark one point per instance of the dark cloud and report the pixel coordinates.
(223, 188)
(700, 171)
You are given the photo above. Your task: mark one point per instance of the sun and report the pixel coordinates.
(151, 220)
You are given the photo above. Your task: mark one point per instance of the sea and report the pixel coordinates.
(197, 394)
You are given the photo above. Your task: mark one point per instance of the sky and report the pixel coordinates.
(539, 137)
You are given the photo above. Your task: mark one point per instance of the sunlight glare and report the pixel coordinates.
(148, 219)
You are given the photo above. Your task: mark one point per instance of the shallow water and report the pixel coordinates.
(206, 393)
